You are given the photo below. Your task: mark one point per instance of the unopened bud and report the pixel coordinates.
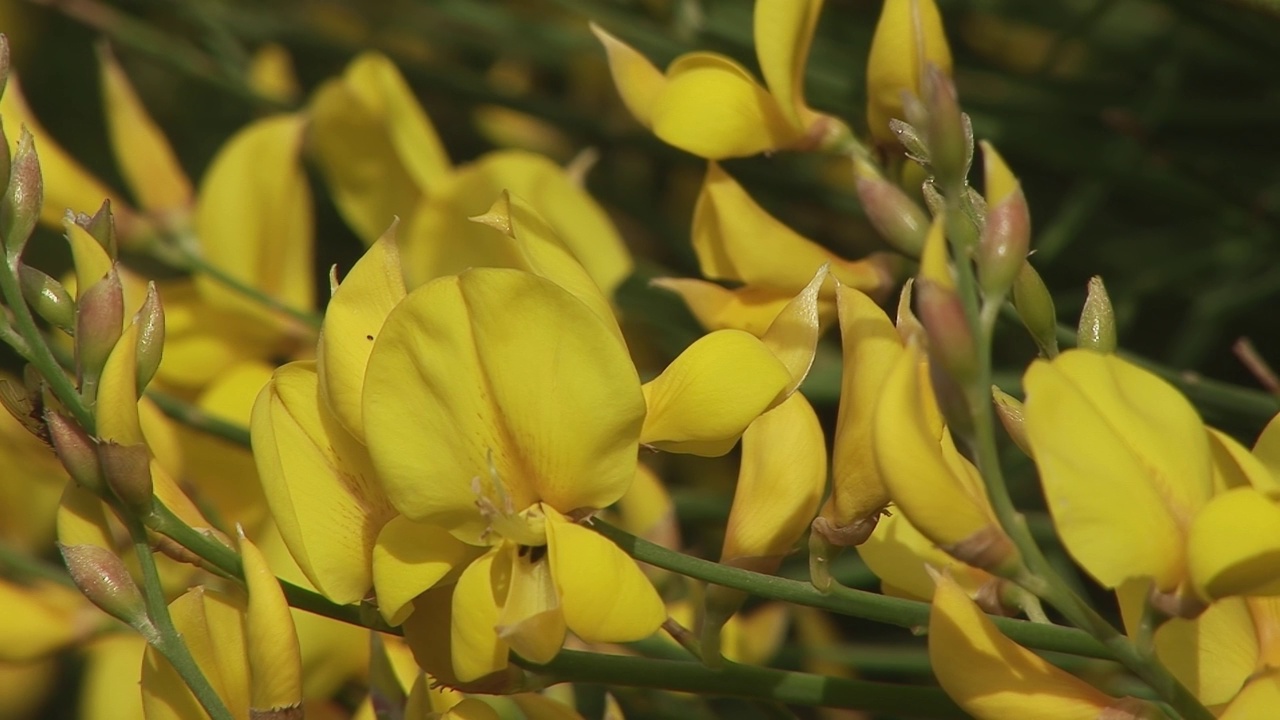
(150, 320)
(949, 137)
(77, 452)
(47, 298)
(1035, 308)
(911, 141)
(23, 198)
(102, 577)
(99, 319)
(1011, 413)
(1097, 320)
(102, 227)
(6, 160)
(898, 219)
(127, 469)
(951, 343)
(4, 62)
(933, 198)
(1006, 234)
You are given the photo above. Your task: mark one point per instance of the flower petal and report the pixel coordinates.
(410, 558)
(271, 640)
(1234, 466)
(994, 678)
(145, 158)
(1108, 438)
(352, 321)
(1267, 446)
(530, 619)
(475, 647)
(253, 218)
(749, 308)
(1259, 698)
(793, 335)
(708, 395)
(319, 484)
(713, 108)
(899, 554)
(604, 596)
(908, 34)
(783, 34)
(783, 476)
(1233, 547)
(735, 239)
(499, 373)
(210, 625)
(638, 81)
(1212, 655)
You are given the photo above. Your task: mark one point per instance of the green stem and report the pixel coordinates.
(192, 416)
(167, 640)
(744, 681)
(194, 262)
(842, 600)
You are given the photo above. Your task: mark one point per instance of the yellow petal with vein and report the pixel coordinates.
(408, 559)
(1214, 654)
(638, 81)
(783, 476)
(604, 596)
(708, 395)
(1233, 547)
(475, 646)
(530, 619)
(783, 34)
(380, 85)
(713, 108)
(145, 158)
(1110, 437)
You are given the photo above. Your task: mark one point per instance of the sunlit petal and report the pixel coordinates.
(475, 646)
(793, 335)
(908, 35)
(604, 596)
(1214, 654)
(783, 33)
(211, 627)
(410, 558)
(1233, 547)
(530, 620)
(717, 307)
(1234, 466)
(638, 81)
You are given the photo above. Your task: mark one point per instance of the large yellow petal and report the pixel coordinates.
(352, 321)
(783, 475)
(1233, 547)
(735, 239)
(708, 395)
(783, 34)
(1124, 461)
(441, 241)
(604, 596)
(476, 648)
(716, 307)
(1214, 654)
(145, 158)
(712, 107)
(908, 35)
(67, 185)
(253, 218)
(502, 376)
(319, 484)
(410, 558)
(994, 678)
(638, 81)
(871, 346)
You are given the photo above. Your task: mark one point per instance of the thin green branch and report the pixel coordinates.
(744, 681)
(16, 563)
(192, 416)
(194, 262)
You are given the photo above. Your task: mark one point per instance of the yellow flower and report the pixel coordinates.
(908, 36)
(711, 106)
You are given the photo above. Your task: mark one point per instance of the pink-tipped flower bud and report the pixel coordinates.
(1034, 304)
(1011, 413)
(102, 227)
(23, 198)
(898, 219)
(950, 137)
(99, 320)
(47, 298)
(77, 452)
(102, 577)
(127, 469)
(951, 343)
(1006, 234)
(1097, 320)
(150, 320)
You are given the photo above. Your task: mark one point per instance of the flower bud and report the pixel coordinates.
(127, 469)
(941, 311)
(1006, 234)
(950, 136)
(150, 320)
(99, 319)
(77, 452)
(4, 62)
(275, 664)
(102, 577)
(1097, 329)
(1035, 308)
(1010, 411)
(47, 298)
(6, 160)
(911, 141)
(102, 227)
(933, 198)
(898, 219)
(23, 198)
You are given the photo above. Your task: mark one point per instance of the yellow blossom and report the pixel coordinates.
(908, 36)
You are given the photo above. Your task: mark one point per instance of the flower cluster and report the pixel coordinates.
(451, 490)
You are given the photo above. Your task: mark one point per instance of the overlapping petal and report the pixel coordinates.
(410, 558)
(783, 32)
(1233, 545)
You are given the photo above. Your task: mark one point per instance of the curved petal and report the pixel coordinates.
(783, 34)
(717, 308)
(91, 260)
(713, 108)
(899, 554)
(1234, 466)
(499, 375)
(352, 321)
(735, 239)
(908, 35)
(783, 476)
(41, 620)
(271, 640)
(1267, 447)
(1259, 698)
(142, 152)
(210, 624)
(253, 217)
(1233, 547)
(410, 558)
(708, 395)
(604, 596)
(475, 647)
(1109, 437)
(530, 619)
(994, 678)
(116, 409)
(319, 484)
(1212, 655)
(638, 81)
(793, 335)
(375, 79)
